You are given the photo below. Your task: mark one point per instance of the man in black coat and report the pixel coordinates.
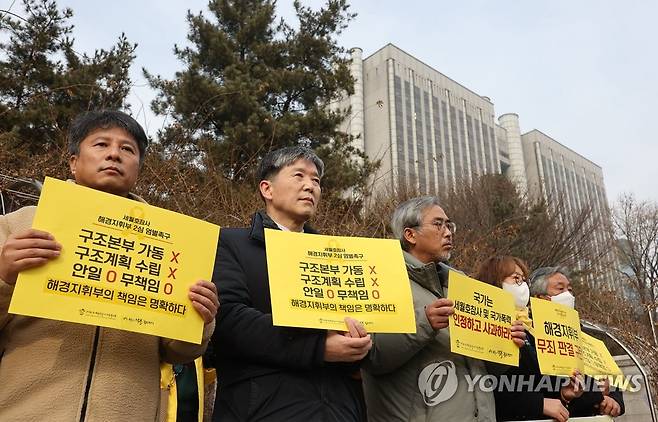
(275, 373)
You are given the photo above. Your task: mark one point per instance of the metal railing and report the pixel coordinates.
(593, 327)
(15, 189)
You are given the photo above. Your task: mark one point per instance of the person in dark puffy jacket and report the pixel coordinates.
(272, 373)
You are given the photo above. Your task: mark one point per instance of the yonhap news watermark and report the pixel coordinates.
(546, 383)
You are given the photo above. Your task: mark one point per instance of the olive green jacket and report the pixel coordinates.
(415, 377)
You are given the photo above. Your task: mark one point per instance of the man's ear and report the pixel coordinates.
(409, 235)
(265, 187)
(73, 160)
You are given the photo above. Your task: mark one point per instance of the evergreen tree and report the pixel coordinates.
(44, 82)
(251, 84)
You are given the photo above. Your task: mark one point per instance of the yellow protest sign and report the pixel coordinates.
(316, 281)
(124, 264)
(597, 360)
(557, 337)
(481, 325)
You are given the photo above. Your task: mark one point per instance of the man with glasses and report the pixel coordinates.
(415, 377)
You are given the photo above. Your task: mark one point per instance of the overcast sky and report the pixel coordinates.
(584, 72)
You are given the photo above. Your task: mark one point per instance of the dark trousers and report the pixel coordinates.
(321, 396)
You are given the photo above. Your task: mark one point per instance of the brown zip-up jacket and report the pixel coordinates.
(59, 371)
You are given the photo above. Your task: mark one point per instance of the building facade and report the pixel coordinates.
(428, 130)
(431, 133)
(562, 177)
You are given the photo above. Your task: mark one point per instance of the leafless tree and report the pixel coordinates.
(635, 225)
(494, 218)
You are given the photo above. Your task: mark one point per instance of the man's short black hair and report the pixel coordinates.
(274, 161)
(89, 121)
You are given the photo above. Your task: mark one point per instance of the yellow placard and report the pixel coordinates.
(598, 362)
(557, 337)
(316, 281)
(597, 359)
(124, 264)
(481, 325)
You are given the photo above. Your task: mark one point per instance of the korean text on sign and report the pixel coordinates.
(557, 337)
(124, 264)
(316, 281)
(482, 322)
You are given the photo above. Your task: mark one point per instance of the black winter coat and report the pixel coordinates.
(267, 372)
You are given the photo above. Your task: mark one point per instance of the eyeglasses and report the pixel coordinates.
(519, 279)
(441, 225)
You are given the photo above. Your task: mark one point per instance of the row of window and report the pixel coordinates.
(458, 147)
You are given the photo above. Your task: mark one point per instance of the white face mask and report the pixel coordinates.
(565, 298)
(521, 293)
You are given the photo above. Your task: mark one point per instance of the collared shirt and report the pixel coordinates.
(284, 228)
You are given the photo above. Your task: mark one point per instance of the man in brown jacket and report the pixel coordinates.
(60, 371)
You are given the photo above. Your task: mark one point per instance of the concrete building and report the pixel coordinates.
(431, 132)
(551, 170)
(544, 168)
(428, 130)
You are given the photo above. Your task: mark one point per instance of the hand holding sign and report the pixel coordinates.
(349, 346)
(354, 328)
(518, 333)
(28, 249)
(204, 298)
(574, 389)
(554, 409)
(438, 313)
(609, 406)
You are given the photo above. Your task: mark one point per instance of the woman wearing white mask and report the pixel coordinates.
(530, 402)
(509, 273)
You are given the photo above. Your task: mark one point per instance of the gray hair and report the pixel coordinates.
(410, 214)
(538, 280)
(274, 161)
